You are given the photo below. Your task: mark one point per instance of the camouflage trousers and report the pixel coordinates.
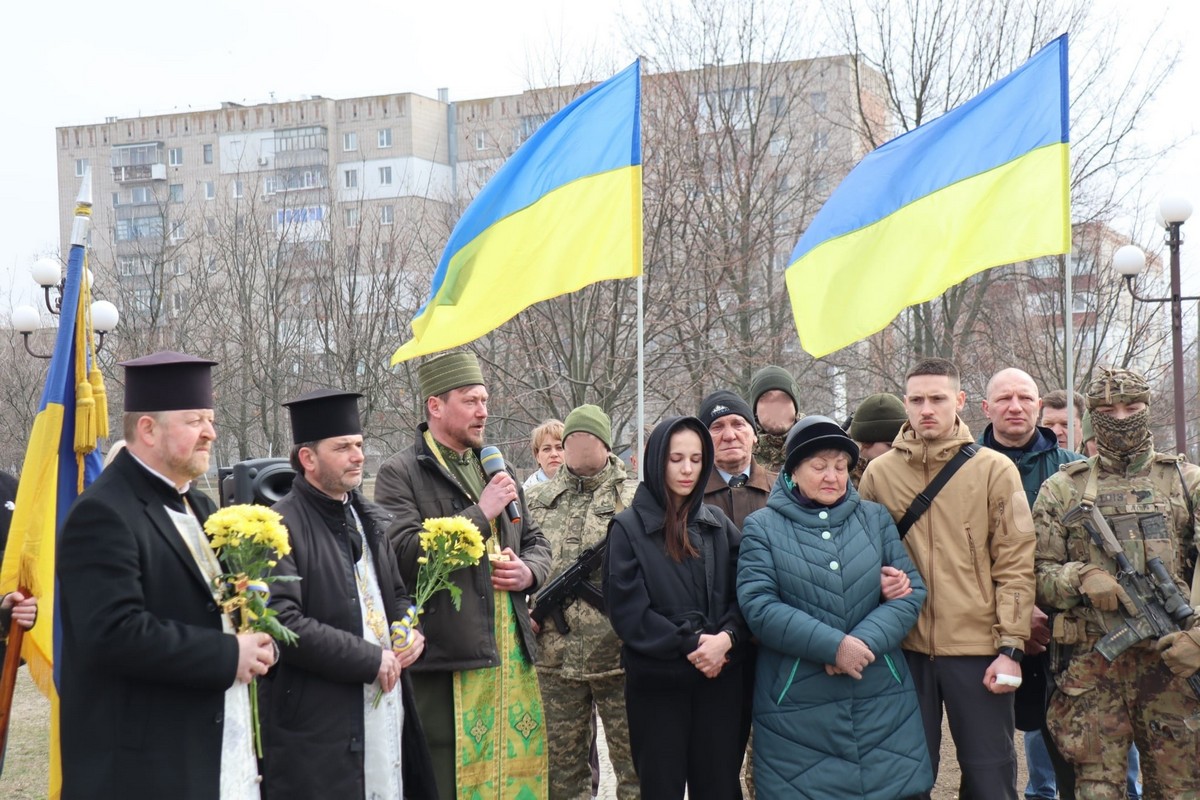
(1100, 707)
(567, 705)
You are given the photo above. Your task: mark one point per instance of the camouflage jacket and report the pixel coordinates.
(1144, 504)
(769, 450)
(574, 514)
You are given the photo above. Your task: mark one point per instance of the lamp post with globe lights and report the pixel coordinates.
(1129, 261)
(48, 274)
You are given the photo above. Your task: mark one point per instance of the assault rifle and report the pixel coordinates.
(1161, 607)
(572, 583)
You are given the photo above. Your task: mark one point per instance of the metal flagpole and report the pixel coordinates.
(641, 381)
(1068, 326)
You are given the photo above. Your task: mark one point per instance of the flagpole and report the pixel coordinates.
(1068, 326)
(8, 680)
(641, 381)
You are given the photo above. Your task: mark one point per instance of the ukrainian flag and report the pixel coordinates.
(983, 185)
(56, 469)
(563, 212)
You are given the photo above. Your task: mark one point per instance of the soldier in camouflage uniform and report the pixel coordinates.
(583, 666)
(1147, 499)
(770, 390)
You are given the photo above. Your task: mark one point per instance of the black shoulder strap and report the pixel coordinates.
(924, 500)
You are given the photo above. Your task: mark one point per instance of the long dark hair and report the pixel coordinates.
(677, 511)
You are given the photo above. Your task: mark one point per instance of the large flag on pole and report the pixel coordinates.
(983, 185)
(60, 461)
(563, 212)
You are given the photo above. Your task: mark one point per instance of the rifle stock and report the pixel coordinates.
(572, 583)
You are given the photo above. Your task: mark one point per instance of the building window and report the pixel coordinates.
(269, 185)
(141, 195)
(210, 190)
(208, 154)
(211, 224)
(81, 166)
(385, 176)
(176, 192)
(237, 189)
(820, 141)
(179, 266)
(819, 102)
(777, 107)
(385, 137)
(116, 199)
(778, 145)
(175, 156)
(387, 215)
(351, 179)
(481, 141)
(351, 217)
(212, 263)
(349, 141)
(177, 232)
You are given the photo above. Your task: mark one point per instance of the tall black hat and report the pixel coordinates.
(323, 414)
(168, 381)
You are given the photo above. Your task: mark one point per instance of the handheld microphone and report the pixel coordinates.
(492, 463)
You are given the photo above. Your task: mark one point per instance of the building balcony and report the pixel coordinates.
(136, 173)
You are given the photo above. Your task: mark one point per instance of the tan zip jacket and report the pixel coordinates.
(973, 547)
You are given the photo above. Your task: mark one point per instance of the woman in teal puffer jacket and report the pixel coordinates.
(835, 710)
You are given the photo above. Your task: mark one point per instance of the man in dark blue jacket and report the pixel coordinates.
(1012, 406)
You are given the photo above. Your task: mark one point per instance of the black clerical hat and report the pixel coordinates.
(168, 381)
(323, 414)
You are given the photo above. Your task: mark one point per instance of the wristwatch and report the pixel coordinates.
(1015, 653)
(732, 635)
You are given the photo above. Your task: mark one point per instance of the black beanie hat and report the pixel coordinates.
(878, 419)
(813, 434)
(721, 402)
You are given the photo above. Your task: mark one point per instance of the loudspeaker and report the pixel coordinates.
(263, 481)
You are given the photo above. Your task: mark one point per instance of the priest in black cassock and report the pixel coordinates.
(152, 678)
(341, 720)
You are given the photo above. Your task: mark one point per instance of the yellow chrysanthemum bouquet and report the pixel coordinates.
(249, 539)
(447, 544)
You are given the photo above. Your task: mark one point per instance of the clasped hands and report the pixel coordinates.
(711, 654)
(852, 658)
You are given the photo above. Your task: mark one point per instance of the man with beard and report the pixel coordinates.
(476, 687)
(341, 677)
(152, 676)
(774, 406)
(1147, 500)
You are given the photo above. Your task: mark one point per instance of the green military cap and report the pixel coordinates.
(449, 371)
(772, 377)
(1117, 385)
(878, 419)
(589, 419)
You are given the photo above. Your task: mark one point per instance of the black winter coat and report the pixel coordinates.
(659, 607)
(144, 664)
(312, 702)
(413, 487)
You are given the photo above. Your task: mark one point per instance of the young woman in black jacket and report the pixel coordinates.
(670, 586)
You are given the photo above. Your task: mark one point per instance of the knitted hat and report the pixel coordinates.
(589, 419)
(772, 377)
(878, 419)
(324, 414)
(449, 371)
(722, 402)
(813, 434)
(168, 381)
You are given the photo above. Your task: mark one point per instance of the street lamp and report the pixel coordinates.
(1129, 261)
(48, 274)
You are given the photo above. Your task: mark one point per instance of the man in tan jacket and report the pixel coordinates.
(974, 549)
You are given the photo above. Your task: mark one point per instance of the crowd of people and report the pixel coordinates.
(787, 606)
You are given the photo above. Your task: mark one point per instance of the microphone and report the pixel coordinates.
(492, 463)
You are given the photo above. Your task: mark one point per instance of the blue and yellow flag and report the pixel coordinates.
(983, 185)
(60, 461)
(563, 212)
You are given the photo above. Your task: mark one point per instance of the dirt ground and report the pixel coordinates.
(25, 763)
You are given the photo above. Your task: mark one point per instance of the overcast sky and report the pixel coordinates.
(75, 62)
